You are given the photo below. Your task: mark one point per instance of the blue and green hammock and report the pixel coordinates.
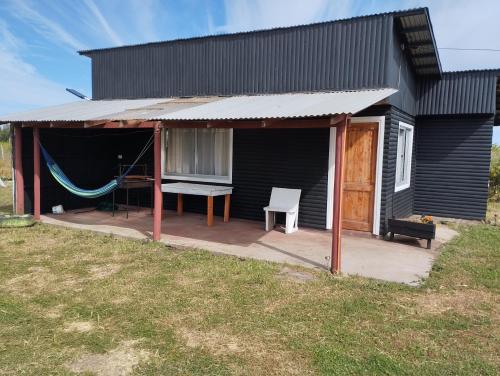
(62, 179)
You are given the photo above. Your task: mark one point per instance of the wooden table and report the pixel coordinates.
(201, 190)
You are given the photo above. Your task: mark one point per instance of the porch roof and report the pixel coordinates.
(292, 105)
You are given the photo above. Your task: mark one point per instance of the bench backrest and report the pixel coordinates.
(285, 198)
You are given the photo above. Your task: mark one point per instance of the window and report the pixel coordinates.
(404, 152)
(198, 154)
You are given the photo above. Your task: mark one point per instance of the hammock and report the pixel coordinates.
(62, 179)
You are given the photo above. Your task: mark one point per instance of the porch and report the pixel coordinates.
(405, 262)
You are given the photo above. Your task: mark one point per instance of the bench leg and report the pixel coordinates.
(180, 204)
(391, 237)
(210, 210)
(291, 223)
(227, 205)
(270, 220)
(428, 243)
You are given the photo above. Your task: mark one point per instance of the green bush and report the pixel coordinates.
(5, 160)
(4, 134)
(495, 173)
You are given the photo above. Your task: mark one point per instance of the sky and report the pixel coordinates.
(39, 38)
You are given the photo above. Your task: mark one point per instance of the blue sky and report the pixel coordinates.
(39, 38)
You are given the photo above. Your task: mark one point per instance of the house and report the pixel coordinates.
(357, 113)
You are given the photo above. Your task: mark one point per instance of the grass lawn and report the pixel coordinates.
(74, 300)
(5, 161)
(6, 198)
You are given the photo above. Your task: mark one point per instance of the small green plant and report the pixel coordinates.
(495, 173)
(4, 134)
(5, 154)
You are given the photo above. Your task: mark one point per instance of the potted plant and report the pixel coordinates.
(423, 229)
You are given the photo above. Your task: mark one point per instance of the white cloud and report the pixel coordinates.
(244, 15)
(145, 14)
(22, 86)
(44, 26)
(103, 23)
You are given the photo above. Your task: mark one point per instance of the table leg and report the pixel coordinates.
(210, 210)
(180, 204)
(127, 204)
(227, 205)
(152, 196)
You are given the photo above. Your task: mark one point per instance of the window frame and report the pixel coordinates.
(399, 186)
(195, 177)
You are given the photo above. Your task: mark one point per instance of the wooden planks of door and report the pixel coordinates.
(359, 176)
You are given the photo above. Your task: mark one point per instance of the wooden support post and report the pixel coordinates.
(338, 195)
(36, 173)
(210, 210)
(158, 197)
(180, 204)
(227, 206)
(18, 166)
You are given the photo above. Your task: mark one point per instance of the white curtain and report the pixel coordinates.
(199, 152)
(181, 151)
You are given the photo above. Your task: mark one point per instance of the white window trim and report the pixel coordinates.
(409, 154)
(378, 174)
(198, 178)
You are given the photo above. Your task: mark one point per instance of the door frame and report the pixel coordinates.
(378, 171)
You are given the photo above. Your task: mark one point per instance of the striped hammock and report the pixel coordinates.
(62, 179)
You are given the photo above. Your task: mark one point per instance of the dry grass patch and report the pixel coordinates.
(260, 356)
(103, 271)
(293, 275)
(40, 281)
(117, 362)
(78, 326)
(464, 302)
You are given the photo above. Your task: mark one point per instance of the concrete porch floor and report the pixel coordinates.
(406, 261)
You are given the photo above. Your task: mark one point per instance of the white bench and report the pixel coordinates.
(201, 190)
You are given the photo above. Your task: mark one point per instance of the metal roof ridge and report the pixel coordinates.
(492, 70)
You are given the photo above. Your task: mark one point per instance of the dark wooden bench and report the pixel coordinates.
(412, 229)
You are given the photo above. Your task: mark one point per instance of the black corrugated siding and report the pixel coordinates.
(288, 158)
(470, 92)
(453, 161)
(266, 158)
(349, 54)
(402, 76)
(395, 204)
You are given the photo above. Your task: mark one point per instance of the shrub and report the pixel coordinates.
(495, 173)
(4, 134)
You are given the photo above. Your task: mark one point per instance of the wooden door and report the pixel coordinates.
(359, 176)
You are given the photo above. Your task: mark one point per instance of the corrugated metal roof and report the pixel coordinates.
(80, 111)
(208, 108)
(282, 106)
(417, 31)
(468, 92)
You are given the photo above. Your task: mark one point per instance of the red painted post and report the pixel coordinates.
(158, 199)
(338, 196)
(18, 168)
(36, 173)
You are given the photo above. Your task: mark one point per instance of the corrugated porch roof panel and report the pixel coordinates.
(282, 106)
(208, 108)
(81, 111)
